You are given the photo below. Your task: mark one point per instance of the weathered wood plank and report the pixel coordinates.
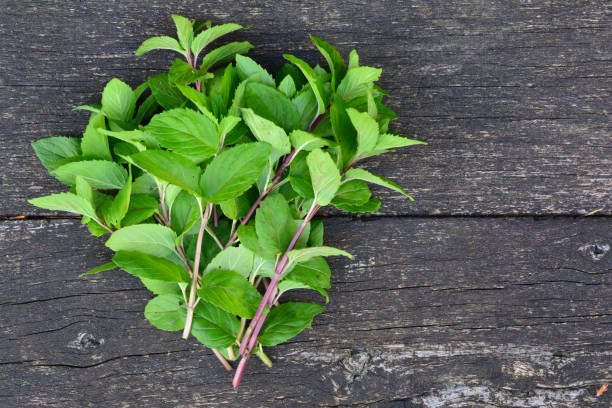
(514, 97)
(431, 312)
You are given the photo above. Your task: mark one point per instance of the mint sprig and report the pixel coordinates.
(208, 177)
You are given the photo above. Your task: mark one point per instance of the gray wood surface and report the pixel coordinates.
(514, 97)
(466, 297)
(435, 313)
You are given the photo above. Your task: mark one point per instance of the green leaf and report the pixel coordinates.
(83, 190)
(324, 176)
(237, 259)
(102, 268)
(224, 54)
(121, 203)
(333, 58)
(166, 312)
(370, 206)
(207, 36)
(361, 174)
(166, 93)
(299, 176)
(118, 102)
(198, 98)
(159, 43)
(344, 132)
(183, 73)
(233, 171)
(227, 124)
(356, 81)
(274, 224)
(306, 104)
(141, 207)
(150, 267)
(53, 150)
(287, 321)
(213, 326)
(353, 60)
(269, 103)
(170, 167)
(231, 292)
(246, 68)
(389, 141)
(302, 140)
(266, 131)
(229, 83)
(151, 239)
(316, 233)
(186, 132)
(94, 143)
(294, 72)
(65, 202)
(367, 130)
(312, 274)
(313, 80)
(102, 174)
(161, 287)
(287, 87)
(302, 255)
(352, 193)
(184, 31)
(185, 213)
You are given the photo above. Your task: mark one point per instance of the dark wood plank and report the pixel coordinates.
(514, 97)
(430, 313)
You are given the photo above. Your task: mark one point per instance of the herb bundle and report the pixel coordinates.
(208, 177)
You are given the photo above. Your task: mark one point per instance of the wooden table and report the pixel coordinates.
(492, 289)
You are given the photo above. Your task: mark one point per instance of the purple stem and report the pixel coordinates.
(263, 195)
(259, 318)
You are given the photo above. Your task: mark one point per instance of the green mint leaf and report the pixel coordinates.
(356, 81)
(274, 224)
(247, 68)
(53, 150)
(170, 167)
(233, 171)
(302, 140)
(159, 43)
(248, 237)
(227, 124)
(266, 131)
(65, 202)
(166, 94)
(198, 98)
(306, 104)
(94, 143)
(316, 233)
(183, 73)
(101, 174)
(324, 176)
(186, 132)
(151, 239)
(353, 60)
(237, 259)
(367, 131)
(184, 213)
(352, 193)
(150, 267)
(166, 312)
(287, 321)
(370, 206)
(184, 31)
(102, 268)
(161, 287)
(313, 80)
(333, 58)
(83, 190)
(269, 103)
(287, 87)
(97, 108)
(118, 102)
(224, 54)
(121, 203)
(299, 176)
(231, 292)
(213, 326)
(361, 174)
(389, 141)
(229, 83)
(302, 255)
(288, 284)
(314, 272)
(202, 40)
(294, 72)
(141, 208)
(344, 132)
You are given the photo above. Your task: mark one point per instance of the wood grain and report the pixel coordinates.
(513, 96)
(444, 312)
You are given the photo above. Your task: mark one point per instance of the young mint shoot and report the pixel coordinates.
(205, 181)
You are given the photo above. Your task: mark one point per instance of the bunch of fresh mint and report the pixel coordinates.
(208, 185)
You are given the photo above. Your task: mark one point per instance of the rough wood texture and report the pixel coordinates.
(445, 311)
(435, 313)
(514, 97)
